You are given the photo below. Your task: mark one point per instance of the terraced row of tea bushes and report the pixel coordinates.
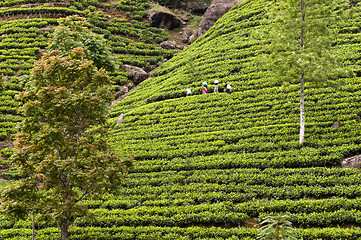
(218, 124)
(19, 45)
(134, 28)
(153, 232)
(136, 53)
(39, 10)
(9, 3)
(133, 8)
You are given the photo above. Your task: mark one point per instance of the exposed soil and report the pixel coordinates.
(251, 223)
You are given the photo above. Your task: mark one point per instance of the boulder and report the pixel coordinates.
(122, 91)
(121, 118)
(171, 45)
(168, 45)
(163, 19)
(185, 17)
(352, 162)
(174, 3)
(215, 11)
(197, 7)
(336, 125)
(187, 33)
(138, 74)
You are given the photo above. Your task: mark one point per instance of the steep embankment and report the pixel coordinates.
(208, 166)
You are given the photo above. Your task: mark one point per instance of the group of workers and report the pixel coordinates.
(227, 88)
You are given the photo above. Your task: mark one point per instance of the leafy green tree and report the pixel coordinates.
(301, 48)
(61, 148)
(73, 32)
(277, 228)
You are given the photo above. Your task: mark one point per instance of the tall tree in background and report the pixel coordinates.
(301, 46)
(61, 148)
(73, 32)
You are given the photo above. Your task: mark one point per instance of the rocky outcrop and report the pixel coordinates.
(174, 3)
(197, 7)
(163, 19)
(352, 162)
(138, 74)
(122, 91)
(168, 45)
(187, 33)
(171, 46)
(215, 11)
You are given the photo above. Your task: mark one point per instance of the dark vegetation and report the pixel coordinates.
(210, 166)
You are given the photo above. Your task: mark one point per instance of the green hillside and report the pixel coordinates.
(210, 166)
(26, 27)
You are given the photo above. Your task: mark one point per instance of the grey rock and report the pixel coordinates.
(121, 118)
(352, 162)
(174, 3)
(123, 90)
(197, 7)
(138, 74)
(215, 11)
(46, 29)
(336, 125)
(163, 19)
(187, 33)
(168, 45)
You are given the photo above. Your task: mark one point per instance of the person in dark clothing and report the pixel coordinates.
(228, 88)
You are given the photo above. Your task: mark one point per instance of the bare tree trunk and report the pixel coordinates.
(302, 78)
(302, 110)
(33, 232)
(64, 226)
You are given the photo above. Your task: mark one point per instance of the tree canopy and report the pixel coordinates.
(61, 148)
(302, 45)
(73, 32)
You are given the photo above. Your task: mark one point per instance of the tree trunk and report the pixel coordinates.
(302, 78)
(64, 226)
(33, 225)
(302, 110)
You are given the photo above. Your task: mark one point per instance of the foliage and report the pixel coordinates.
(61, 148)
(237, 153)
(73, 33)
(276, 228)
(301, 44)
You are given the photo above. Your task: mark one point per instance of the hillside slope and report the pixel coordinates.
(226, 160)
(209, 166)
(26, 27)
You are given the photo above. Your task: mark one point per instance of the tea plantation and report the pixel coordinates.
(26, 27)
(211, 166)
